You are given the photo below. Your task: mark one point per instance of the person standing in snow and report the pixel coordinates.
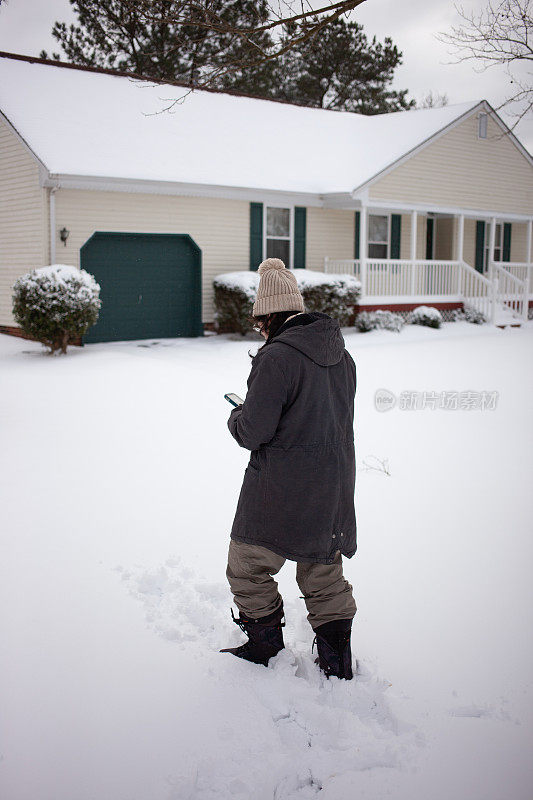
(297, 496)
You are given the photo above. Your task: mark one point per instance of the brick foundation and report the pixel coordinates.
(399, 307)
(13, 330)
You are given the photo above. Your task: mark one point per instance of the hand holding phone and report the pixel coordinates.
(234, 399)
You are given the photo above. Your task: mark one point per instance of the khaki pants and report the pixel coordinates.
(327, 594)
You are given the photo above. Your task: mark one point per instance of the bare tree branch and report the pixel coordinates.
(433, 101)
(500, 34)
(307, 24)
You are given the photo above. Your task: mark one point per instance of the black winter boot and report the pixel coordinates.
(334, 648)
(265, 637)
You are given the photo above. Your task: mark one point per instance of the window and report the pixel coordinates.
(278, 234)
(378, 236)
(498, 243)
(482, 126)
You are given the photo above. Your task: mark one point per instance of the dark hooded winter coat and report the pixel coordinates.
(297, 496)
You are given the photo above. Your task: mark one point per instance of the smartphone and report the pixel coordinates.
(234, 399)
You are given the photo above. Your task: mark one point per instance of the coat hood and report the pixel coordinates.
(316, 335)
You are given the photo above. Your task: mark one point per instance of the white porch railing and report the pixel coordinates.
(502, 292)
(399, 277)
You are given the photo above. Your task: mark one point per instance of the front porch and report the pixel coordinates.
(501, 289)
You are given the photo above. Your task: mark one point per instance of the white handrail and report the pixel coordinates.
(512, 293)
(476, 290)
(520, 269)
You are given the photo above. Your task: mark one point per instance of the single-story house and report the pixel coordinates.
(156, 189)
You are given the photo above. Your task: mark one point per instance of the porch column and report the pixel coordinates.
(363, 249)
(460, 237)
(459, 253)
(529, 256)
(414, 221)
(492, 240)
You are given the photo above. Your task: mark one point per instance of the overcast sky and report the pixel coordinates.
(25, 27)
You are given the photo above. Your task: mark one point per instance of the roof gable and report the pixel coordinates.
(483, 105)
(457, 168)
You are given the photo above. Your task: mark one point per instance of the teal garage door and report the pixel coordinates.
(150, 285)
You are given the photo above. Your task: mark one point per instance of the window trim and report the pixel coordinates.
(486, 244)
(482, 125)
(387, 214)
(289, 238)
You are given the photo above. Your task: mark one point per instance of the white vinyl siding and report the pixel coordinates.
(444, 238)
(519, 242)
(329, 233)
(23, 217)
(460, 170)
(220, 227)
(405, 236)
(469, 245)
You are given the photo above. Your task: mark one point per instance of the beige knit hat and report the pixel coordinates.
(278, 289)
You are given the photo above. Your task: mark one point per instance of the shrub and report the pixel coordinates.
(365, 321)
(379, 319)
(235, 293)
(425, 315)
(469, 314)
(56, 304)
(336, 295)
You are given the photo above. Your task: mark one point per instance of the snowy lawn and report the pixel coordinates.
(119, 485)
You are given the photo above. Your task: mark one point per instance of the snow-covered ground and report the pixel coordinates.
(119, 484)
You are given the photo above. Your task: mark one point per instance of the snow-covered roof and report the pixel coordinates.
(87, 123)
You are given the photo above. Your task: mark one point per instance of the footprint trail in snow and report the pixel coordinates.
(283, 732)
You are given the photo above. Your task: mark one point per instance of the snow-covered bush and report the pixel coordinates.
(336, 295)
(235, 293)
(425, 315)
(365, 321)
(468, 314)
(385, 320)
(56, 304)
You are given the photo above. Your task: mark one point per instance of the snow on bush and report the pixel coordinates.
(385, 320)
(425, 315)
(468, 314)
(336, 295)
(56, 304)
(235, 294)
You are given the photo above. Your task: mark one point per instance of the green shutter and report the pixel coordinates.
(480, 244)
(256, 234)
(395, 232)
(506, 241)
(357, 234)
(429, 238)
(300, 215)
